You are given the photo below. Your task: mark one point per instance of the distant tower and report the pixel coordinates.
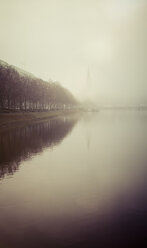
(88, 84)
(88, 79)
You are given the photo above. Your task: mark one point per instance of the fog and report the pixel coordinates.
(95, 48)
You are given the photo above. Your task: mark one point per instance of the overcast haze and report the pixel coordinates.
(64, 39)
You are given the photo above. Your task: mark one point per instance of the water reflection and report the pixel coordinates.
(21, 144)
(88, 192)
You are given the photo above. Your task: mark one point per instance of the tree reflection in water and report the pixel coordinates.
(21, 144)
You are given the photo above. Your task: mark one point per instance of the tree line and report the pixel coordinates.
(25, 92)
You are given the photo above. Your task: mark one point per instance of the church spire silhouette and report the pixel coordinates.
(88, 79)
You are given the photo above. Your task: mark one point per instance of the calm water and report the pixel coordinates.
(76, 181)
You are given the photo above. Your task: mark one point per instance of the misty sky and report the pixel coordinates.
(61, 39)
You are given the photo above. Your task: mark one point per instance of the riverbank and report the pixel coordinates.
(10, 121)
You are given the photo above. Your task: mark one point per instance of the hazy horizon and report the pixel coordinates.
(97, 49)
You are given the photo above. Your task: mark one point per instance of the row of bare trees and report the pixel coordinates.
(27, 93)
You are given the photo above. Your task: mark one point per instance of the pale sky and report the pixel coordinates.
(61, 39)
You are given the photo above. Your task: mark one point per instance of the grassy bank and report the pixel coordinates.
(10, 121)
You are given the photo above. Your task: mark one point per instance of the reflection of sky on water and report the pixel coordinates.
(79, 196)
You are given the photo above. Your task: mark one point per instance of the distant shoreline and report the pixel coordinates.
(10, 121)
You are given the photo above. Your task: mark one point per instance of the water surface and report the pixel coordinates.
(76, 181)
